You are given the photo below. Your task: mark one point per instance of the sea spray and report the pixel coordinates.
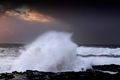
(51, 52)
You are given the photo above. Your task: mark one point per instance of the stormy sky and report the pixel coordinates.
(91, 23)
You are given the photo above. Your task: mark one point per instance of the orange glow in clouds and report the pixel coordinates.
(29, 15)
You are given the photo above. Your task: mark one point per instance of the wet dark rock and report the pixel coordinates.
(112, 67)
(6, 76)
(91, 74)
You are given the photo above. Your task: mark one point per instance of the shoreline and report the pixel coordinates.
(91, 74)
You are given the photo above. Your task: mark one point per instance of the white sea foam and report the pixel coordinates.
(52, 51)
(98, 51)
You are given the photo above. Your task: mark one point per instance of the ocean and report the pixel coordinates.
(55, 52)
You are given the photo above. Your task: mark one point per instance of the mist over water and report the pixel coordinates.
(51, 52)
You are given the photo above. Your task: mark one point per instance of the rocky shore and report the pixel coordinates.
(97, 73)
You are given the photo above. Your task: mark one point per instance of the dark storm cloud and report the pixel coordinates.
(96, 24)
(24, 31)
